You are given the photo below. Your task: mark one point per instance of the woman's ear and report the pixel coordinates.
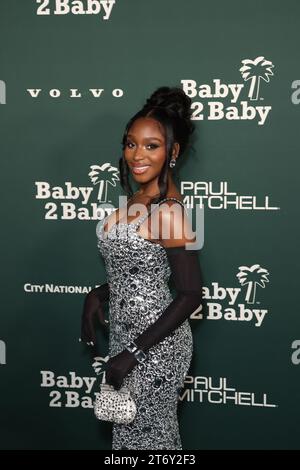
(176, 148)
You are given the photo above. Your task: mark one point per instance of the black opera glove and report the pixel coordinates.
(92, 309)
(187, 277)
(117, 367)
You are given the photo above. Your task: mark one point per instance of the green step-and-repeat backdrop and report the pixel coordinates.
(72, 73)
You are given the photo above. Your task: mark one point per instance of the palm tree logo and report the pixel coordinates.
(103, 175)
(253, 276)
(98, 364)
(255, 70)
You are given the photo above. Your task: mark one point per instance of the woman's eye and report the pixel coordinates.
(153, 146)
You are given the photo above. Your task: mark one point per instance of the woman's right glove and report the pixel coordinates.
(93, 308)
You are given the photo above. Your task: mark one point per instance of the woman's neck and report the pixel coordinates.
(151, 189)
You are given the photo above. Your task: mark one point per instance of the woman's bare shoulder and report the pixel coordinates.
(174, 225)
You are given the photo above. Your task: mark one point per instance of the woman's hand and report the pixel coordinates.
(117, 367)
(92, 309)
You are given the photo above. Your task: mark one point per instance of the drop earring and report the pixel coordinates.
(172, 163)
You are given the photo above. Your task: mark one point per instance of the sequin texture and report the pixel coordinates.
(138, 272)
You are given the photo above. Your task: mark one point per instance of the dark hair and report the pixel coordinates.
(171, 107)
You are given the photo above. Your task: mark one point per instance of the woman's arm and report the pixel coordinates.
(93, 308)
(186, 274)
(101, 292)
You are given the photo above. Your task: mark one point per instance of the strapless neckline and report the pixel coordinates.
(135, 225)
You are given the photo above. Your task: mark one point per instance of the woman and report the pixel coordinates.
(150, 339)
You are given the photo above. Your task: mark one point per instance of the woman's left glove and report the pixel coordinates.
(117, 367)
(93, 309)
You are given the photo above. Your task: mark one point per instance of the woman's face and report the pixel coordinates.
(145, 151)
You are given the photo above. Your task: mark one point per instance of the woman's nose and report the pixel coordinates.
(139, 153)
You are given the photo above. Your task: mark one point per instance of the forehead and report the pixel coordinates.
(146, 128)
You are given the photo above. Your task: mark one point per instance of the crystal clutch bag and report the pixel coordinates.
(113, 405)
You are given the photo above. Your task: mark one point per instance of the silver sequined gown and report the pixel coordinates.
(138, 273)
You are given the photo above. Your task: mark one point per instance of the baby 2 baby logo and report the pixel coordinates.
(103, 8)
(66, 391)
(61, 202)
(236, 310)
(254, 72)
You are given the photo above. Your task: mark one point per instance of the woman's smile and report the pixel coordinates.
(138, 170)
